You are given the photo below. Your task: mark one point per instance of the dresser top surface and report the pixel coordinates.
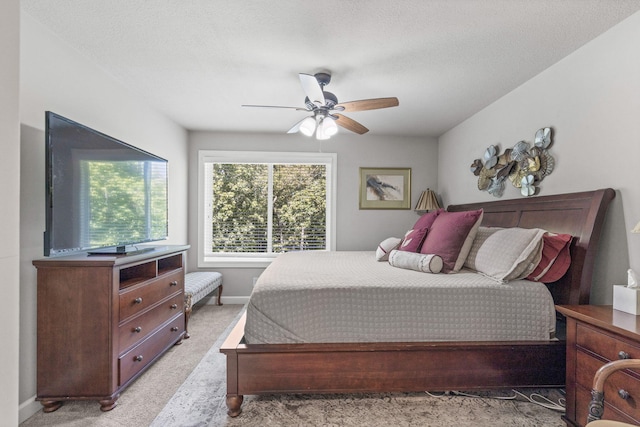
(605, 317)
(109, 260)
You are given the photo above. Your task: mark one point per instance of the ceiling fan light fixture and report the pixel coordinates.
(321, 134)
(308, 126)
(329, 126)
(322, 105)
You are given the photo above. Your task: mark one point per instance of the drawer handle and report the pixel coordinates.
(623, 394)
(174, 329)
(174, 283)
(623, 355)
(138, 300)
(137, 329)
(138, 358)
(173, 306)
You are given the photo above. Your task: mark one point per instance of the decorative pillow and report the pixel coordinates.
(386, 246)
(427, 263)
(426, 220)
(481, 236)
(451, 236)
(413, 240)
(466, 246)
(506, 253)
(556, 258)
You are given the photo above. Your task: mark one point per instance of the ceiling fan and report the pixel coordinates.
(326, 110)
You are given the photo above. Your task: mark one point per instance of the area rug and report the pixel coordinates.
(200, 401)
(201, 398)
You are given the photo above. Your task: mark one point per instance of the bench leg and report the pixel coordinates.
(187, 315)
(188, 308)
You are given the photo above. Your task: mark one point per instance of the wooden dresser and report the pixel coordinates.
(103, 319)
(597, 335)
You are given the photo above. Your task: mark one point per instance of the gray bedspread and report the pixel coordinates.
(348, 296)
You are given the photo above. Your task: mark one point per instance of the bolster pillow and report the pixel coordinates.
(427, 263)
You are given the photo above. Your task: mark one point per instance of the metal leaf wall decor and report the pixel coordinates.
(522, 165)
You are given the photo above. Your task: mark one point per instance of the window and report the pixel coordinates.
(254, 205)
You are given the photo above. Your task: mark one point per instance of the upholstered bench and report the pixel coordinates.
(198, 285)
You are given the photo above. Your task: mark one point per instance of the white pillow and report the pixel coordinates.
(386, 246)
(506, 253)
(481, 236)
(427, 263)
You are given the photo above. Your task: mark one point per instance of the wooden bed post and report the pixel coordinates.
(234, 404)
(234, 400)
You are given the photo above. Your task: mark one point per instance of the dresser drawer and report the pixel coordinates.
(583, 398)
(139, 298)
(621, 380)
(604, 344)
(587, 367)
(136, 359)
(139, 327)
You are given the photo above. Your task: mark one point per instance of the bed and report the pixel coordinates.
(328, 365)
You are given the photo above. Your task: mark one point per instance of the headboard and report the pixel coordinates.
(579, 214)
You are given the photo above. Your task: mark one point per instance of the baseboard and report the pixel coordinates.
(28, 408)
(227, 300)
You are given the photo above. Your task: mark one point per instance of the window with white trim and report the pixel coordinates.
(255, 205)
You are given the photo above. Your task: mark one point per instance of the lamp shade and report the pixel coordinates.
(636, 229)
(427, 201)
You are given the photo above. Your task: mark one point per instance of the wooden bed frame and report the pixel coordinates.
(434, 366)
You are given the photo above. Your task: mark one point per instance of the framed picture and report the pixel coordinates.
(385, 188)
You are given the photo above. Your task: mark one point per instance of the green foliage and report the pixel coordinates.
(299, 207)
(116, 197)
(240, 209)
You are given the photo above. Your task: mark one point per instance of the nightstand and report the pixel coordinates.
(597, 335)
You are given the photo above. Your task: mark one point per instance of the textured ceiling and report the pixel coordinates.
(198, 61)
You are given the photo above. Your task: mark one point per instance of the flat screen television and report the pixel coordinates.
(103, 196)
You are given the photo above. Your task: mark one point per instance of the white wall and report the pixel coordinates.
(55, 77)
(9, 214)
(592, 100)
(356, 229)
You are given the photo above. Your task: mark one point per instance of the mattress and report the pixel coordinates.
(348, 296)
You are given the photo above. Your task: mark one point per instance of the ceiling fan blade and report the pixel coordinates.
(368, 104)
(312, 88)
(350, 124)
(277, 106)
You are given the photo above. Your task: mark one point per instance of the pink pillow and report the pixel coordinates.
(556, 258)
(413, 240)
(447, 236)
(426, 220)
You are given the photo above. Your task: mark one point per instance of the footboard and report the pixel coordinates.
(387, 367)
